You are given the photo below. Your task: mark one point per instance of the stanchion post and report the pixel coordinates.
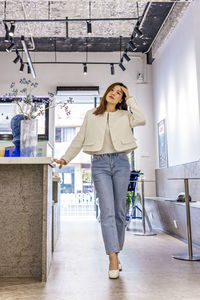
(187, 205)
(143, 208)
(189, 256)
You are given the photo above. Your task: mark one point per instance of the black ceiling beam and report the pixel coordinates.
(149, 57)
(63, 44)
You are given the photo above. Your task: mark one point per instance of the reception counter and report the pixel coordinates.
(26, 216)
(168, 215)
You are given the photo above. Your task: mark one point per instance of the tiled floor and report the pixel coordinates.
(79, 269)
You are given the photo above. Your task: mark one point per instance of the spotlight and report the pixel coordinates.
(138, 31)
(126, 57)
(22, 66)
(28, 69)
(7, 36)
(10, 47)
(89, 27)
(12, 29)
(121, 66)
(112, 69)
(132, 46)
(17, 58)
(85, 69)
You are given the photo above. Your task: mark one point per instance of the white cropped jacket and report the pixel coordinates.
(91, 134)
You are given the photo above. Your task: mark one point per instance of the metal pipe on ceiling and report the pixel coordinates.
(29, 62)
(69, 20)
(31, 35)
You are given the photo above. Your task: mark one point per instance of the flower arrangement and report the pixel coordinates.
(31, 106)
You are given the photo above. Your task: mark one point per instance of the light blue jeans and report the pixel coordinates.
(111, 174)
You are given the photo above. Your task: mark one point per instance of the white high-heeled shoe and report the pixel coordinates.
(113, 274)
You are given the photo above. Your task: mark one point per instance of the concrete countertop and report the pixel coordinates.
(26, 160)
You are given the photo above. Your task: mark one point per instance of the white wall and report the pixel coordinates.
(176, 89)
(50, 76)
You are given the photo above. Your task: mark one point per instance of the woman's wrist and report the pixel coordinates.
(129, 98)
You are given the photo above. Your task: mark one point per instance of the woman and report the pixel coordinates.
(106, 134)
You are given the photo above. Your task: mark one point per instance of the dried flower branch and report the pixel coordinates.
(32, 106)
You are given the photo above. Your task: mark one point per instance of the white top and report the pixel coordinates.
(92, 132)
(107, 143)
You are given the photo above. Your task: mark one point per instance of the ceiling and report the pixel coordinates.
(105, 37)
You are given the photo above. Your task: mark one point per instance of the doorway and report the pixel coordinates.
(77, 196)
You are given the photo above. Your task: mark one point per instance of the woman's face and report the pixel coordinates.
(115, 95)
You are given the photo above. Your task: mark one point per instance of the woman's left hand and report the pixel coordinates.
(126, 92)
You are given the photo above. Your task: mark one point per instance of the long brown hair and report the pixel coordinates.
(102, 106)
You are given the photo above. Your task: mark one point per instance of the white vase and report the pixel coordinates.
(28, 138)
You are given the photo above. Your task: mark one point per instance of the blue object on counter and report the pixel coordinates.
(7, 153)
(16, 152)
(16, 128)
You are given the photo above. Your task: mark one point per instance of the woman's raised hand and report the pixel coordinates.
(61, 162)
(126, 92)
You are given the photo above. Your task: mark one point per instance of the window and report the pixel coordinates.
(65, 134)
(5, 117)
(7, 111)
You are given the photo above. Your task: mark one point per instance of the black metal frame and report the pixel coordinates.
(66, 20)
(77, 88)
(41, 137)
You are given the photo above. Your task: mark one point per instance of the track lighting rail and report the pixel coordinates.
(69, 20)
